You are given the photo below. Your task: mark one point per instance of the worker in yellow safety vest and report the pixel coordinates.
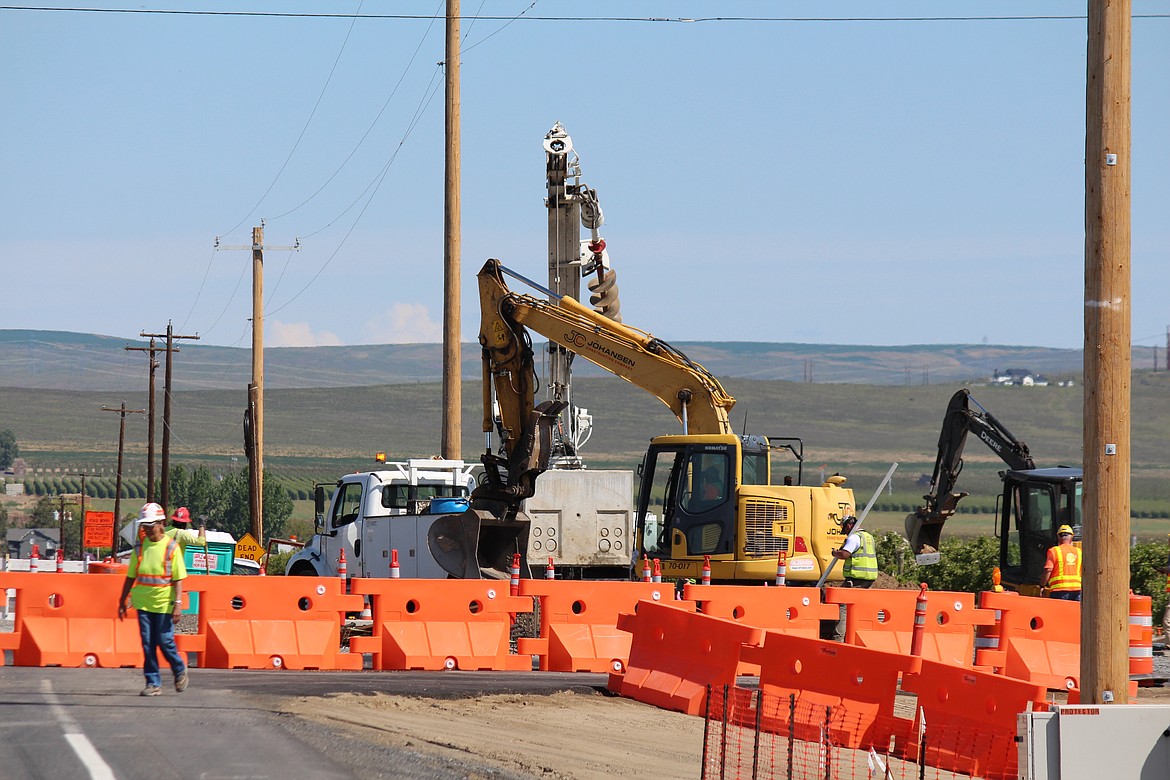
(154, 583)
(861, 568)
(1062, 569)
(181, 532)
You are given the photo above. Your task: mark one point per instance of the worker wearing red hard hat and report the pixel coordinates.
(180, 530)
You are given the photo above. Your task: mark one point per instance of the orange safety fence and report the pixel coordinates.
(1039, 639)
(676, 653)
(759, 734)
(441, 624)
(846, 678)
(271, 623)
(884, 620)
(69, 620)
(578, 622)
(978, 709)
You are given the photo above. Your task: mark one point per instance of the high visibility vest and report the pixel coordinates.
(157, 579)
(862, 564)
(1066, 567)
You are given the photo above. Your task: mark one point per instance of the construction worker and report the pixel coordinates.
(1062, 569)
(154, 583)
(860, 555)
(180, 530)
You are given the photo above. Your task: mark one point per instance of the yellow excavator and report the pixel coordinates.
(704, 492)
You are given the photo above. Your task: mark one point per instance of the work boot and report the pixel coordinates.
(181, 681)
(151, 690)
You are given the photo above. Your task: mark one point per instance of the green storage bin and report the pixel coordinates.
(216, 559)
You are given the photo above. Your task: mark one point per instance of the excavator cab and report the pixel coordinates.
(687, 501)
(1034, 503)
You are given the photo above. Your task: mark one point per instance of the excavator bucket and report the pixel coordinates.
(924, 536)
(477, 544)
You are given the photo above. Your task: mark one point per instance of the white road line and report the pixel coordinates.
(98, 769)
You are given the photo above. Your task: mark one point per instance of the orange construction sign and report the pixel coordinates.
(99, 529)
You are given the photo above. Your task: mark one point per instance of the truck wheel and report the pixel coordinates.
(303, 570)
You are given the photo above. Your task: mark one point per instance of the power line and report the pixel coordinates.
(627, 19)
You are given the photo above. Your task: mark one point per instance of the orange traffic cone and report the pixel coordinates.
(781, 568)
(343, 572)
(366, 613)
(550, 573)
(395, 572)
(919, 622)
(646, 568)
(34, 558)
(706, 569)
(657, 571)
(514, 584)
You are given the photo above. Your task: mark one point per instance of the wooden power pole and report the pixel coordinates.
(122, 411)
(1106, 525)
(150, 426)
(170, 349)
(256, 390)
(451, 445)
(254, 416)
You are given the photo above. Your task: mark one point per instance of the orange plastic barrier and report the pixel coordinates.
(578, 622)
(858, 683)
(794, 611)
(884, 620)
(1039, 639)
(677, 653)
(970, 718)
(441, 624)
(1141, 635)
(70, 620)
(271, 622)
(988, 655)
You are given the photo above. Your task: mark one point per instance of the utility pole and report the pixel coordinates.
(256, 389)
(254, 415)
(1108, 358)
(165, 498)
(122, 411)
(150, 494)
(451, 445)
(61, 499)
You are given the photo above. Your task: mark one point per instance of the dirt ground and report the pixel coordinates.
(566, 735)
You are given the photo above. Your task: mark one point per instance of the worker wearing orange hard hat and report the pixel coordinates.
(1062, 569)
(180, 530)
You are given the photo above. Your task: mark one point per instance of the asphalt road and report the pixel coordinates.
(78, 723)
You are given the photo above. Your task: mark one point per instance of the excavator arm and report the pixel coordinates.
(691, 392)
(924, 526)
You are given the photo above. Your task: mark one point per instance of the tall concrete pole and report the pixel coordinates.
(256, 394)
(452, 348)
(1105, 609)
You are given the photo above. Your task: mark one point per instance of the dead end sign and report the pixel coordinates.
(249, 548)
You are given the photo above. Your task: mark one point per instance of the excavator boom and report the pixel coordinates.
(924, 526)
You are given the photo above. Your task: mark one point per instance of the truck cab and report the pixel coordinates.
(372, 513)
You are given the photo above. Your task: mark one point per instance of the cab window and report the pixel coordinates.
(348, 505)
(707, 482)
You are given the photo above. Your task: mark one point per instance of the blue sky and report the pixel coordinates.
(850, 182)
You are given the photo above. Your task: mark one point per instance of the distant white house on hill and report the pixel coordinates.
(1018, 376)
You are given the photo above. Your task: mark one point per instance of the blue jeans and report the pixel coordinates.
(1065, 595)
(158, 632)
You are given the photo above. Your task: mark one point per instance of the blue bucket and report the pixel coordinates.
(449, 506)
